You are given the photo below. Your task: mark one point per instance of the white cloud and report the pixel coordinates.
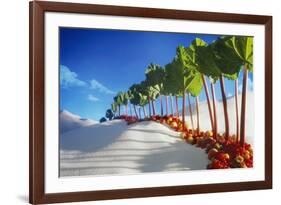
(93, 98)
(95, 85)
(250, 85)
(69, 78)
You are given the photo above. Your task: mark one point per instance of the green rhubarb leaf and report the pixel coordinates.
(175, 81)
(226, 57)
(195, 86)
(243, 47)
(206, 62)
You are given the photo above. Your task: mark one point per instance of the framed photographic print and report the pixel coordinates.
(139, 102)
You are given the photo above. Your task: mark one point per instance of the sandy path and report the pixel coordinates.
(115, 148)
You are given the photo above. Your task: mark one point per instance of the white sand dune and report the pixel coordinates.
(115, 148)
(69, 121)
(205, 123)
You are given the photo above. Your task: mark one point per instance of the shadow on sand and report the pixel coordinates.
(91, 138)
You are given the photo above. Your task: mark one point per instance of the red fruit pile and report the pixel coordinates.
(174, 122)
(131, 119)
(223, 153)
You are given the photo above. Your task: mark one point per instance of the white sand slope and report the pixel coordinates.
(205, 123)
(115, 148)
(69, 121)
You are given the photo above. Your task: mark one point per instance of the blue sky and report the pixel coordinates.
(95, 64)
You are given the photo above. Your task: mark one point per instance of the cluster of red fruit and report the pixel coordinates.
(221, 152)
(122, 117)
(128, 119)
(174, 122)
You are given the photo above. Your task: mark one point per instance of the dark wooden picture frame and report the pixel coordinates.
(37, 193)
